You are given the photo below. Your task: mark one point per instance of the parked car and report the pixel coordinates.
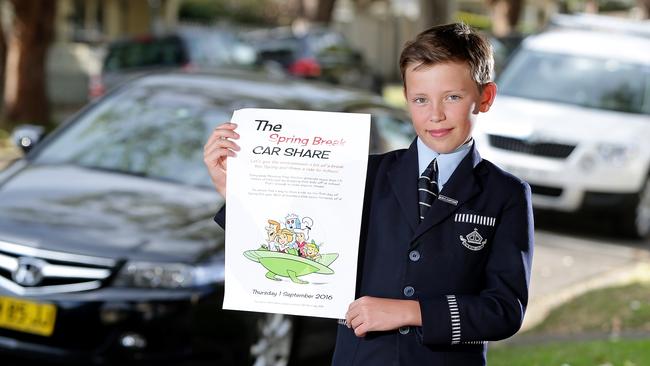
(108, 249)
(318, 53)
(502, 48)
(572, 118)
(188, 48)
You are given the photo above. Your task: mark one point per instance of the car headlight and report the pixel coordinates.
(169, 275)
(614, 153)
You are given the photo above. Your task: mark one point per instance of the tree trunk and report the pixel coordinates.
(324, 11)
(645, 8)
(25, 83)
(505, 16)
(315, 11)
(3, 57)
(436, 12)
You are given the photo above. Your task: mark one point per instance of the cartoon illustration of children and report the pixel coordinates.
(301, 241)
(294, 256)
(282, 240)
(312, 252)
(271, 233)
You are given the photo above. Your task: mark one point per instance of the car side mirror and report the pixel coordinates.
(26, 136)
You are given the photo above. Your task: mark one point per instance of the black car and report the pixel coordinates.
(108, 249)
(318, 53)
(186, 48)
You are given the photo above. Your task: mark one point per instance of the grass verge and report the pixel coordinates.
(611, 310)
(591, 330)
(579, 353)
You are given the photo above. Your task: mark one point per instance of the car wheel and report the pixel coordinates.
(272, 346)
(637, 222)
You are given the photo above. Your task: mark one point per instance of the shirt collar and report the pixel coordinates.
(447, 163)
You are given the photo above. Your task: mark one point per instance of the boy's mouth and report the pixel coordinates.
(439, 132)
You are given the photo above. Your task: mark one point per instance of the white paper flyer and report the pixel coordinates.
(293, 213)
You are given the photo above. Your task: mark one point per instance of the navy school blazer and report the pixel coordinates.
(468, 262)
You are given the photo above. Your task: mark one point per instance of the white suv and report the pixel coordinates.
(573, 119)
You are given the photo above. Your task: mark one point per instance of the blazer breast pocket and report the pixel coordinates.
(473, 231)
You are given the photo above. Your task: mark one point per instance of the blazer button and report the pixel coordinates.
(409, 291)
(404, 330)
(414, 256)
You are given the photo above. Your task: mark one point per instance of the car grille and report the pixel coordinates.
(29, 271)
(546, 149)
(545, 190)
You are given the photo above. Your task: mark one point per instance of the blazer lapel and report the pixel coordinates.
(461, 186)
(404, 182)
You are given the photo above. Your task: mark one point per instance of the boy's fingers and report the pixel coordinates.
(360, 331)
(216, 155)
(221, 144)
(221, 135)
(226, 126)
(353, 305)
(356, 322)
(218, 158)
(354, 318)
(226, 130)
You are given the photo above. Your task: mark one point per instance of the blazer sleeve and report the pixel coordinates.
(220, 217)
(497, 312)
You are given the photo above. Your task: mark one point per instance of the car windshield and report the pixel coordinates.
(606, 84)
(145, 131)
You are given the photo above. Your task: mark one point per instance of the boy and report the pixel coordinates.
(446, 237)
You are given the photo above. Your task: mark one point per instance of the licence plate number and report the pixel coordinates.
(27, 316)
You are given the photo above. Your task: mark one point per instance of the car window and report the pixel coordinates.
(606, 84)
(389, 130)
(153, 132)
(319, 42)
(281, 50)
(144, 53)
(217, 49)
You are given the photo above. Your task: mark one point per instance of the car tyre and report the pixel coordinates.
(274, 340)
(636, 223)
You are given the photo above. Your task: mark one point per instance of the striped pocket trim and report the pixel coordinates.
(475, 219)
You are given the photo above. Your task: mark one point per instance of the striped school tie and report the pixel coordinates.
(427, 187)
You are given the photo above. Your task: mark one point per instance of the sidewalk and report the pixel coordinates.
(565, 267)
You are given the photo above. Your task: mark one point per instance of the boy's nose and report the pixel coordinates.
(437, 114)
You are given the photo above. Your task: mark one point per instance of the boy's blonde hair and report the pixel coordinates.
(288, 233)
(455, 42)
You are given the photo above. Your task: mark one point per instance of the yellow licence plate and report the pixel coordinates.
(27, 316)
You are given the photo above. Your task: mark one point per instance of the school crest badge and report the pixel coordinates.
(473, 241)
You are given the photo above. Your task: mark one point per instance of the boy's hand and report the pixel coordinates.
(368, 314)
(216, 151)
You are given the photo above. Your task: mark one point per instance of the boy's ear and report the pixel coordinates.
(487, 96)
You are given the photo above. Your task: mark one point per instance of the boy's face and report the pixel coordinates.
(443, 101)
